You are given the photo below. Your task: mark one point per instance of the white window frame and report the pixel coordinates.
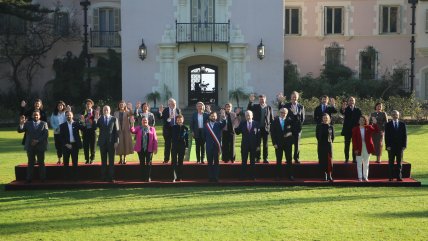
(299, 24)
(381, 23)
(342, 30)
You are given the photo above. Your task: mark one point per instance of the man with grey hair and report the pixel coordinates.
(263, 114)
(107, 141)
(168, 116)
(250, 143)
(396, 143)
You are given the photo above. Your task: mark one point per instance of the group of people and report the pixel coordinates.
(214, 136)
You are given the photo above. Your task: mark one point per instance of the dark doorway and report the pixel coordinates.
(203, 84)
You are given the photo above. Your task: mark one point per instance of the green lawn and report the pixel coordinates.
(217, 213)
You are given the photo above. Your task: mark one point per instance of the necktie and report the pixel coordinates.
(249, 126)
(282, 124)
(396, 124)
(106, 120)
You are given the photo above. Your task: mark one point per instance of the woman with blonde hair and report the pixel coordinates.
(124, 115)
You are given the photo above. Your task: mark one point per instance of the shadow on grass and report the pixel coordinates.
(177, 213)
(37, 199)
(414, 214)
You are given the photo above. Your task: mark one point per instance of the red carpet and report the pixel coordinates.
(306, 174)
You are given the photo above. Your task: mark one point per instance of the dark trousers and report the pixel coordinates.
(264, 136)
(145, 158)
(58, 145)
(228, 146)
(200, 145)
(213, 164)
(32, 154)
(177, 151)
(107, 151)
(167, 137)
(89, 144)
(252, 154)
(74, 153)
(286, 151)
(348, 140)
(395, 171)
(296, 144)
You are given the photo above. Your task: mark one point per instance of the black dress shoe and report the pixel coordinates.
(258, 160)
(296, 161)
(91, 161)
(86, 162)
(120, 162)
(354, 161)
(165, 162)
(265, 161)
(124, 162)
(399, 179)
(202, 162)
(346, 161)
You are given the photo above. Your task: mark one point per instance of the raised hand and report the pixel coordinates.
(161, 108)
(129, 106)
(374, 120)
(332, 102)
(222, 113)
(68, 108)
(252, 97)
(138, 105)
(238, 111)
(23, 103)
(22, 119)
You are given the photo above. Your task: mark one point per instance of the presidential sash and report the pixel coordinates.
(211, 131)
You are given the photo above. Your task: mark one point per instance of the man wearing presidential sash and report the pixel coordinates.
(212, 131)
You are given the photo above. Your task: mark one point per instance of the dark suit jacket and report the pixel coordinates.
(279, 136)
(165, 115)
(297, 118)
(318, 113)
(194, 122)
(351, 119)
(39, 133)
(396, 138)
(65, 133)
(210, 142)
(250, 139)
(180, 136)
(108, 134)
(257, 115)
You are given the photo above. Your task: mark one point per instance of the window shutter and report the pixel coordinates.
(96, 18)
(398, 19)
(116, 19)
(426, 22)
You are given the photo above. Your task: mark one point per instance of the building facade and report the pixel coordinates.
(204, 49)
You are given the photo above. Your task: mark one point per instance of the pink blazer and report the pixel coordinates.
(153, 139)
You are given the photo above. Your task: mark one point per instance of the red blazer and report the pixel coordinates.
(357, 143)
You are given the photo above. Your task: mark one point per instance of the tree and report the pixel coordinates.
(68, 84)
(238, 94)
(153, 96)
(109, 72)
(27, 34)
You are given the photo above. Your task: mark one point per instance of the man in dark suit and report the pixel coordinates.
(351, 115)
(324, 107)
(71, 142)
(228, 136)
(282, 139)
(396, 143)
(250, 143)
(199, 118)
(89, 135)
(213, 143)
(36, 143)
(296, 112)
(264, 116)
(168, 116)
(107, 141)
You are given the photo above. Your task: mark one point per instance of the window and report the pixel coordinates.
(333, 54)
(106, 27)
(389, 19)
(12, 25)
(333, 20)
(368, 63)
(292, 21)
(61, 24)
(401, 75)
(202, 11)
(426, 21)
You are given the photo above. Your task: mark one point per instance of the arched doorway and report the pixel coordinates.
(203, 84)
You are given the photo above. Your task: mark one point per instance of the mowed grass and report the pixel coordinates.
(217, 213)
